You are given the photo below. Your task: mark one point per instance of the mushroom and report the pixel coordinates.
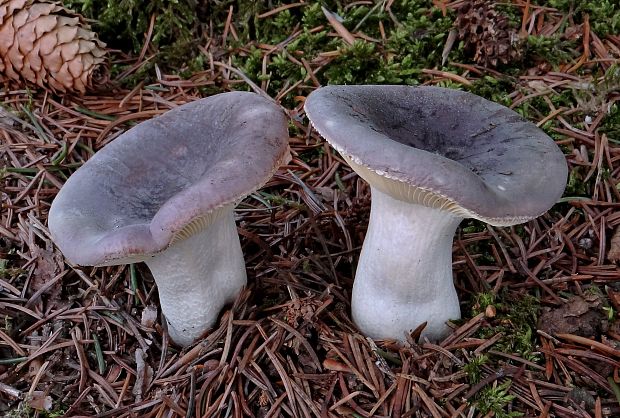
(432, 157)
(164, 193)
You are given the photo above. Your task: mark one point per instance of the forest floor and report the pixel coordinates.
(540, 335)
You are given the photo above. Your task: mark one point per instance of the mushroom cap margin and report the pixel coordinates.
(168, 176)
(466, 154)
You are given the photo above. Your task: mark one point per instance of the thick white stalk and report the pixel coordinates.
(404, 275)
(197, 276)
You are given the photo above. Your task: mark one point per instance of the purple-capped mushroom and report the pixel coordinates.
(432, 157)
(164, 193)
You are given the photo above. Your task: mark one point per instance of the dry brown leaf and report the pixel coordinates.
(614, 298)
(144, 374)
(149, 316)
(335, 365)
(47, 267)
(40, 401)
(614, 247)
(577, 316)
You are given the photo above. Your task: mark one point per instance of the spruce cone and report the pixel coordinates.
(487, 34)
(46, 44)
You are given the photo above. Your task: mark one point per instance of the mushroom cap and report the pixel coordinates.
(443, 148)
(167, 177)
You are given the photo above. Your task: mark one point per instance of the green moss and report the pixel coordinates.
(277, 29)
(123, 24)
(313, 16)
(533, 109)
(516, 317)
(511, 11)
(414, 43)
(9, 272)
(471, 226)
(494, 89)
(495, 399)
(24, 410)
(611, 124)
(575, 185)
(604, 14)
(356, 64)
(551, 49)
(421, 35)
(311, 155)
(474, 368)
(414, 37)
(277, 200)
(482, 247)
(482, 301)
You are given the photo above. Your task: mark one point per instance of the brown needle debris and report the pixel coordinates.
(90, 340)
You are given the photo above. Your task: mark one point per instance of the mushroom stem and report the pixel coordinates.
(197, 276)
(404, 274)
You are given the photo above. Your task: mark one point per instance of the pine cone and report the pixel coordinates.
(487, 34)
(46, 44)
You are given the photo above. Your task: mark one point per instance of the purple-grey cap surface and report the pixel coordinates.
(137, 194)
(482, 156)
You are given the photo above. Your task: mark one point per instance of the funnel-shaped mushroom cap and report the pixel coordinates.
(161, 180)
(443, 148)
